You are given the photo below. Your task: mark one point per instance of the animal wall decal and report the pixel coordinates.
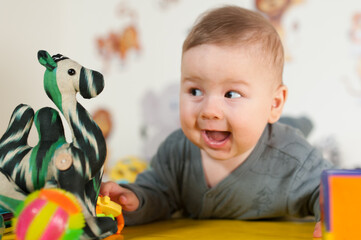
(76, 167)
(118, 44)
(353, 86)
(275, 11)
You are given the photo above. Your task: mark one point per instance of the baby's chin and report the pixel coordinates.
(226, 155)
(216, 155)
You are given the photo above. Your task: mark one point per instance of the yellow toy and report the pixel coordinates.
(127, 169)
(106, 207)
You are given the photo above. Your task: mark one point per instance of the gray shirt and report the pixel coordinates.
(280, 178)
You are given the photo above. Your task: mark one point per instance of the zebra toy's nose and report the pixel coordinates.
(98, 81)
(91, 83)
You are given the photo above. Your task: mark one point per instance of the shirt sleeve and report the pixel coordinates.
(157, 188)
(303, 199)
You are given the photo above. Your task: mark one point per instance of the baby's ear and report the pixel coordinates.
(278, 102)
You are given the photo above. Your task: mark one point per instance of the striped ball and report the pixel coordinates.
(49, 214)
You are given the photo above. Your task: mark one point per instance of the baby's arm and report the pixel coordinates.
(155, 195)
(123, 196)
(304, 195)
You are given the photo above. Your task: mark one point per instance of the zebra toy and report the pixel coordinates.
(76, 167)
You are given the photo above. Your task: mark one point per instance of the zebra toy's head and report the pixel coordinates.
(64, 76)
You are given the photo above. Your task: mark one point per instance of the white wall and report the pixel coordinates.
(317, 35)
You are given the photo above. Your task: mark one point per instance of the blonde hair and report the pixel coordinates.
(233, 25)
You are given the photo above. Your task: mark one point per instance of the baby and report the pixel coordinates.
(231, 159)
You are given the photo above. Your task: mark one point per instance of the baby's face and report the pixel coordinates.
(226, 98)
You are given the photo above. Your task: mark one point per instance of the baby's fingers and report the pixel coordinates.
(105, 188)
(120, 195)
(112, 190)
(129, 201)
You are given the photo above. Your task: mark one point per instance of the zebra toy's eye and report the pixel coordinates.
(71, 71)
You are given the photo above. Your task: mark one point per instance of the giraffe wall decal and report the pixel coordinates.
(77, 166)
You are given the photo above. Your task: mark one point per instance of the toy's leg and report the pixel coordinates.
(76, 179)
(49, 126)
(13, 144)
(28, 166)
(99, 227)
(92, 188)
(10, 194)
(13, 148)
(96, 227)
(51, 136)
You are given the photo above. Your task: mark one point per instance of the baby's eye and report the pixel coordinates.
(196, 92)
(232, 94)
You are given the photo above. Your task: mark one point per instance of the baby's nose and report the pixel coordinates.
(212, 109)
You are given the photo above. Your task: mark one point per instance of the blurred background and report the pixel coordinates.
(136, 44)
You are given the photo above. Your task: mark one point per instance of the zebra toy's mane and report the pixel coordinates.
(76, 167)
(58, 57)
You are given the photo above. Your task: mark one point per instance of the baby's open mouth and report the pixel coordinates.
(217, 136)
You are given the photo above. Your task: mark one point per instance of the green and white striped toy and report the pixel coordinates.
(76, 167)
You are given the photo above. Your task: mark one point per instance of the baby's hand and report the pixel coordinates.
(318, 230)
(126, 198)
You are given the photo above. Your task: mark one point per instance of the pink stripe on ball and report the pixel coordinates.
(27, 216)
(57, 225)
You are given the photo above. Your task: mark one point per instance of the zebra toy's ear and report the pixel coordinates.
(46, 60)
